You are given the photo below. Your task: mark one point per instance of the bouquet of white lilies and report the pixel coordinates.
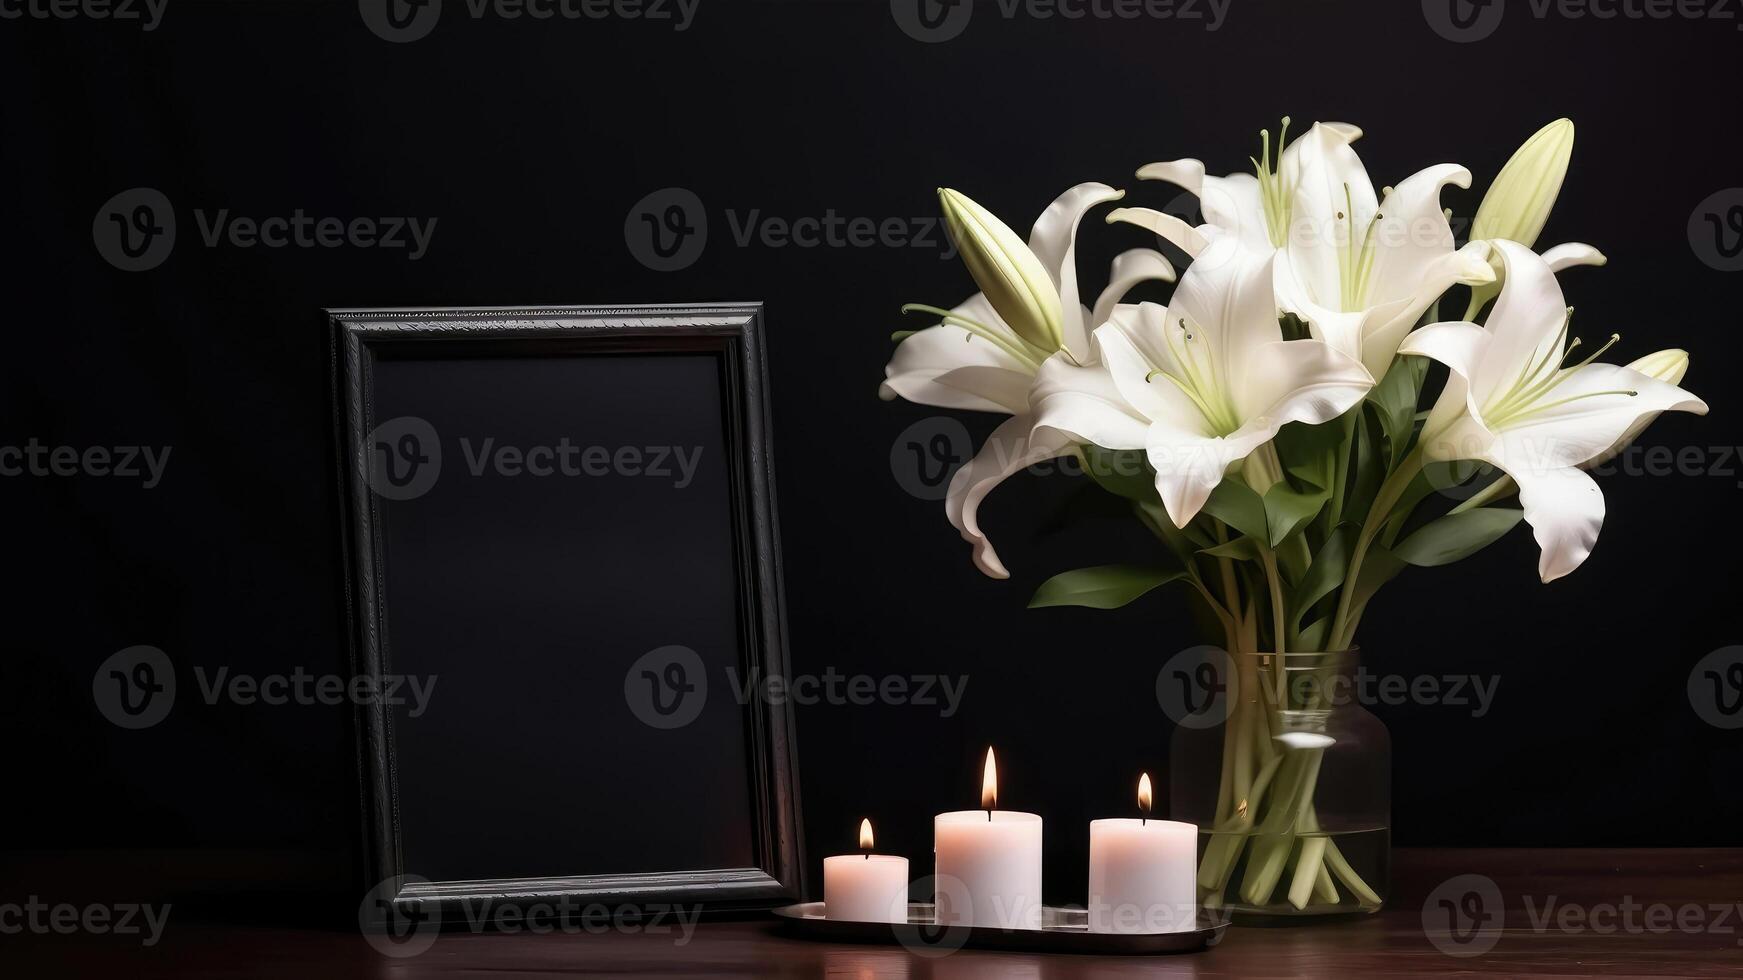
(1268, 424)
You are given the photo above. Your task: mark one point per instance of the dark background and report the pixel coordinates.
(531, 142)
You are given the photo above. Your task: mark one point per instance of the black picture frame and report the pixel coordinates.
(360, 338)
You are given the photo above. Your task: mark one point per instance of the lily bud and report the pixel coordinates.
(1668, 366)
(1518, 202)
(1007, 272)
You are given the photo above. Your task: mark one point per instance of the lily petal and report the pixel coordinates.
(1129, 269)
(1054, 242)
(1570, 254)
(1333, 198)
(1459, 345)
(1189, 464)
(1562, 504)
(1298, 381)
(1526, 321)
(1008, 450)
(919, 367)
(1229, 289)
(1187, 238)
(1592, 409)
(1132, 348)
(1085, 405)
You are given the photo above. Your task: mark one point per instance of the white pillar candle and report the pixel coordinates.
(988, 863)
(1143, 874)
(866, 887)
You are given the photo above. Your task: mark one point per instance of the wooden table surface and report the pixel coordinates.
(1611, 913)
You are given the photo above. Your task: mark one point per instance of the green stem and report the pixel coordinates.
(1279, 623)
(1389, 494)
(1504, 487)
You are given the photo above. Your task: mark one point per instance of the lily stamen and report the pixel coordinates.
(1026, 353)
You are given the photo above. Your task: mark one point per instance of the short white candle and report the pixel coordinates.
(988, 863)
(866, 887)
(1143, 874)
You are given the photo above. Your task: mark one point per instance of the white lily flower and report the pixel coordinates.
(974, 359)
(1256, 208)
(1204, 382)
(1509, 402)
(1359, 271)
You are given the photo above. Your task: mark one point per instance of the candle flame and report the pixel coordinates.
(989, 783)
(1144, 793)
(865, 835)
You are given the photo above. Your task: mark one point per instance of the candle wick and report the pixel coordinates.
(989, 816)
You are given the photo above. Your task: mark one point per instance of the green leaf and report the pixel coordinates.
(1125, 473)
(1102, 587)
(1288, 511)
(1293, 327)
(1307, 451)
(1394, 400)
(1327, 572)
(1378, 567)
(1240, 549)
(1369, 471)
(1152, 516)
(1313, 637)
(1235, 504)
(1457, 536)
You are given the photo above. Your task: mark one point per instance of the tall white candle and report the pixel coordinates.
(866, 887)
(988, 863)
(1143, 875)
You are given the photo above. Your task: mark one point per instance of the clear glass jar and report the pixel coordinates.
(1291, 791)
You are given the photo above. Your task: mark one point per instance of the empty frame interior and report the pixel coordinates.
(528, 596)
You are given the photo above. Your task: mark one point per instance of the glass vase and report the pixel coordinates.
(1290, 789)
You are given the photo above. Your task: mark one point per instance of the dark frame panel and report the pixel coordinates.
(358, 338)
